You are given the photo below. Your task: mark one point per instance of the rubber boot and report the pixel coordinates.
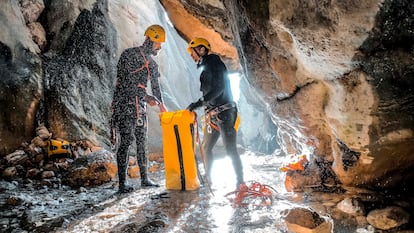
(123, 187)
(122, 171)
(143, 171)
(238, 169)
(239, 181)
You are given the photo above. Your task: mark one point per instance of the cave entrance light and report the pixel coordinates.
(235, 85)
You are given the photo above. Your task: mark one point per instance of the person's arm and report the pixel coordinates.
(155, 85)
(156, 99)
(212, 81)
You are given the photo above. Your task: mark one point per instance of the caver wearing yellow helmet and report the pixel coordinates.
(135, 70)
(197, 48)
(198, 41)
(220, 109)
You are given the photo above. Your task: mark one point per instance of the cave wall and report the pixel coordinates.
(84, 65)
(58, 68)
(21, 86)
(62, 75)
(337, 76)
(65, 80)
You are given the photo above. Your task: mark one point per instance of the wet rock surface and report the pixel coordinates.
(33, 207)
(331, 72)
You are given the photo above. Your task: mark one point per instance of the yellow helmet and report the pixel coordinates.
(197, 42)
(156, 33)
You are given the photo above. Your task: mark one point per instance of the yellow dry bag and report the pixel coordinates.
(179, 150)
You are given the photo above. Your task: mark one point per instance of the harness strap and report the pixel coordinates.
(221, 108)
(216, 110)
(140, 85)
(137, 107)
(210, 124)
(146, 65)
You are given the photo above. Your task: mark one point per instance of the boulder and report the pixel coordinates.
(388, 218)
(302, 220)
(94, 169)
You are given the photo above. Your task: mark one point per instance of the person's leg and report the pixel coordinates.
(125, 129)
(141, 136)
(229, 136)
(210, 137)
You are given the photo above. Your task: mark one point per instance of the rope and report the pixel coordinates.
(202, 154)
(253, 191)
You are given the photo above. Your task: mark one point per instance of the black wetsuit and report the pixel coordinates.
(216, 90)
(135, 69)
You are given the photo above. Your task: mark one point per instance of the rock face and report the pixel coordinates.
(388, 218)
(303, 220)
(337, 76)
(95, 169)
(58, 64)
(21, 85)
(85, 65)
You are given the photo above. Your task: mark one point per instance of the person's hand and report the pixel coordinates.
(191, 107)
(162, 108)
(152, 100)
(195, 105)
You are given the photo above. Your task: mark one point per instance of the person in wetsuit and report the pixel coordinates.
(135, 69)
(220, 109)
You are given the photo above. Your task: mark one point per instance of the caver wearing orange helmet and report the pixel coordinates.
(220, 109)
(135, 70)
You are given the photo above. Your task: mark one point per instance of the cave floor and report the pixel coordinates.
(102, 209)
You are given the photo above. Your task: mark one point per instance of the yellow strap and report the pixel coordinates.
(237, 123)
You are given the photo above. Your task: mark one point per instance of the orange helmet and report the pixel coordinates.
(197, 42)
(156, 33)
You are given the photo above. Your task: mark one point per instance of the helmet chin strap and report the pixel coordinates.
(199, 56)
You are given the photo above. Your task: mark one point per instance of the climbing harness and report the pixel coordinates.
(146, 64)
(252, 193)
(215, 111)
(209, 124)
(140, 121)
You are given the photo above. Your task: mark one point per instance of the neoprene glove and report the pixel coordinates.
(195, 105)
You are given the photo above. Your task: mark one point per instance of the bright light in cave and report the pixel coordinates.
(235, 85)
(222, 175)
